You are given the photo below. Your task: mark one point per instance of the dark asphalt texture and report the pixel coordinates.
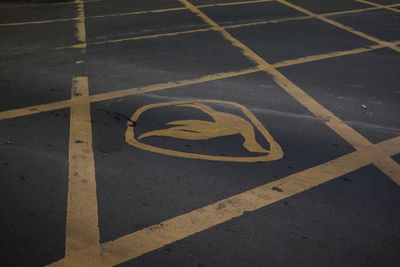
(352, 220)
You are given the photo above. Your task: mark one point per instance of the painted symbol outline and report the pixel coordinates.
(275, 149)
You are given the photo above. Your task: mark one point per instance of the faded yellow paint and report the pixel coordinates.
(82, 230)
(80, 24)
(82, 240)
(224, 124)
(235, 3)
(36, 22)
(138, 12)
(152, 36)
(234, 26)
(378, 5)
(156, 236)
(163, 86)
(340, 25)
(312, 58)
(20, 112)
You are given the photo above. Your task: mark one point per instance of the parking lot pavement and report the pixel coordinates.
(200, 133)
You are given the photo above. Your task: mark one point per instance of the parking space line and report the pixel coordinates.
(152, 36)
(36, 22)
(14, 113)
(168, 85)
(340, 25)
(184, 8)
(50, 4)
(20, 112)
(235, 3)
(312, 58)
(156, 236)
(129, 13)
(234, 26)
(378, 5)
(336, 124)
(82, 230)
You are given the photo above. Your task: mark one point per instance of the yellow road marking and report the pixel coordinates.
(375, 7)
(234, 26)
(80, 24)
(82, 231)
(340, 26)
(224, 124)
(235, 3)
(48, 4)
(163, 86)
(151, 36)
(83, 248)
(156, 236)
(137, 12)
(36, 22)
(20, 112)
(378, 5)
(312, 58)
(336, 124)
(130, 13)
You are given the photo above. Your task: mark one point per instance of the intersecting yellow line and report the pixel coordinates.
(378, 5)
(156, 236)
(160, 35)
(340, 25)
(82, 240)
(386, 164)
(184, 8)
(130, 13)
(8, 114)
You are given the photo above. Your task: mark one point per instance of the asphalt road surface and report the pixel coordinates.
(200, 133)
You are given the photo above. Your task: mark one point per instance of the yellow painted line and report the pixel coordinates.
(234, 26)
(148, 36)
(351, 11)
(128, 13)
(378, 5)
(138, 12)
(164, 86)
(350, 135)
(340, 26)
(36, 22)
(156, 236)
(152, 36)
(20, 112)
(82, 232)
(80, 24)
(235, 3)
(199, 6)
(312, 58)
(48, 4)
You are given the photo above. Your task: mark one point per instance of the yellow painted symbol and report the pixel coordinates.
(223, 124)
